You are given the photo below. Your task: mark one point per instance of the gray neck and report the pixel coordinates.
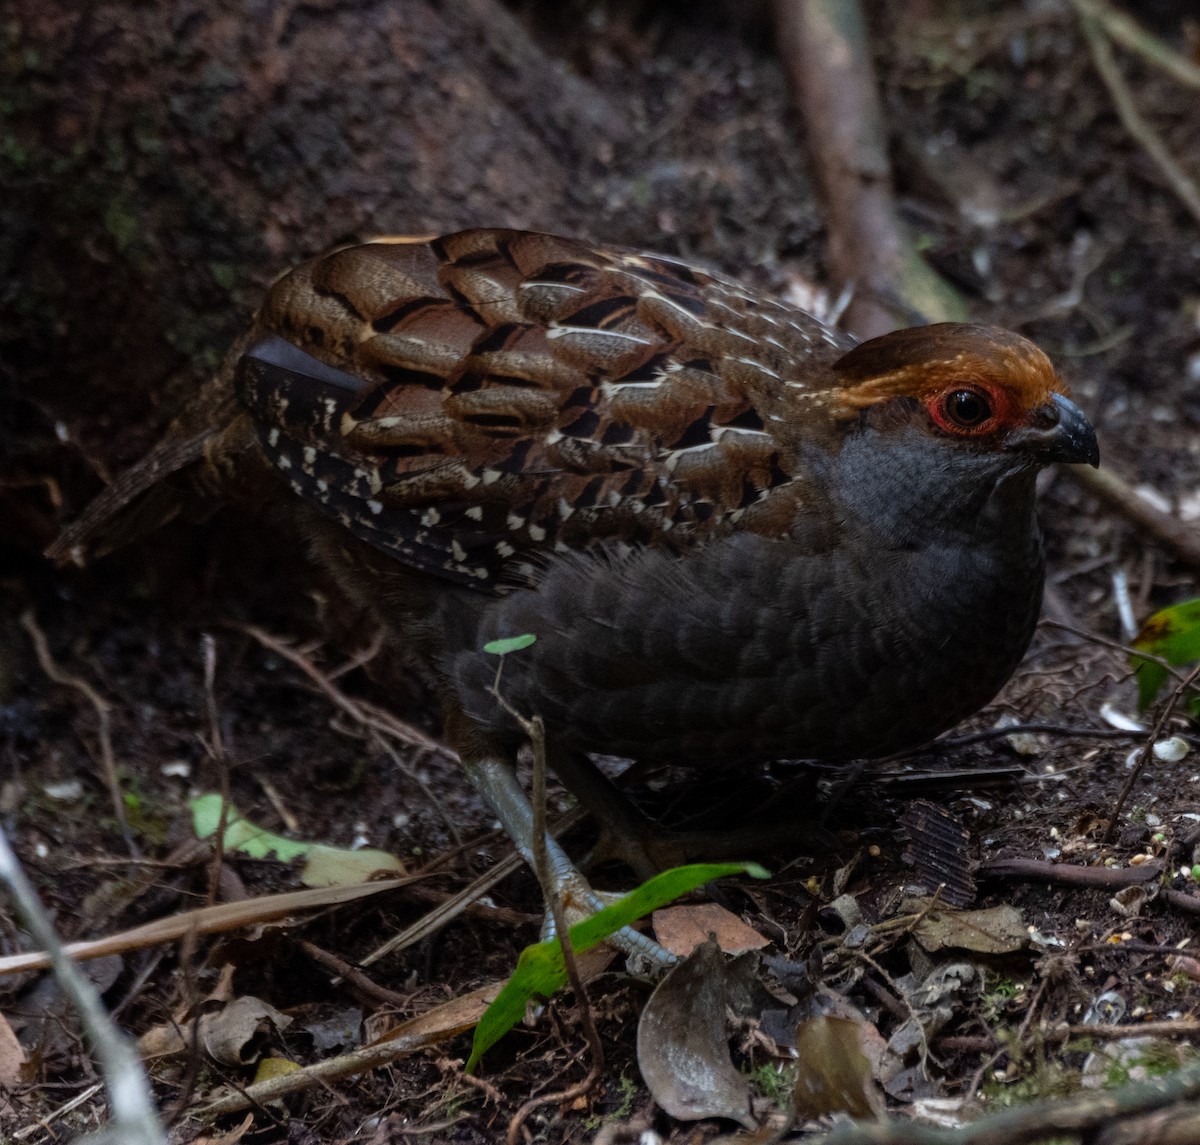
(924, 495)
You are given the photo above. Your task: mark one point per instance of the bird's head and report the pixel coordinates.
(951, 421)
(979, 387)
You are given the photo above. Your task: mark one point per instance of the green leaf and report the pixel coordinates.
(325, 866)
(540, 972)
(507, 644)
(1174, 635)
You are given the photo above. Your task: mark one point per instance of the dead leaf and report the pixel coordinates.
(683, 1047)
(680, 929)
(834, 1074)
(233, 1036)
(996, 930)
(12, 1057)
(1128, 901)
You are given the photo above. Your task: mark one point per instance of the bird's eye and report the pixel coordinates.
(966, 409)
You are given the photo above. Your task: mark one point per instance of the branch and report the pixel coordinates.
(1183, 540)
(1027, 1123)
(1130, 34)
(1139, 128)
(825, 49)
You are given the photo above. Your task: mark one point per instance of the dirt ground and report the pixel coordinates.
(159, 164)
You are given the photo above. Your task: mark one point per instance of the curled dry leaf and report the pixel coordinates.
(1128, 901)
(682, 1042)
(232, 1035)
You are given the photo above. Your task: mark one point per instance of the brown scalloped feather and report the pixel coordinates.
(476, 402)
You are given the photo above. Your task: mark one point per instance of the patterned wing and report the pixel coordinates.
(474, 403)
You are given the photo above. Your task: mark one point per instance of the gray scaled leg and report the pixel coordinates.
(496, 782)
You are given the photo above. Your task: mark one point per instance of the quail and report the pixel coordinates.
(735, 533)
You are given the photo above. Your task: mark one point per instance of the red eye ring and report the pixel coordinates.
(963, 409)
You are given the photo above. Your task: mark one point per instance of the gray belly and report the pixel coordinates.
(755, 649)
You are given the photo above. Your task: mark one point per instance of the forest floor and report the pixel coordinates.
(1027, 193)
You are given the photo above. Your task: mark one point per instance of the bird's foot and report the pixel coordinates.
(497, 784)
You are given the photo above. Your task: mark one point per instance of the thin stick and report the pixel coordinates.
(824, 48)
(536, 731)
(1130, 34)
(108, 760)
(359, 711)
(1181, 539)
(1106, 64)
(380, 724)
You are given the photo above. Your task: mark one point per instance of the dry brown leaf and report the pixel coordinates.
(683, 1044)
(996, 930)
(233, 1036)
(834, 1074)
(12, 1057)
(228, 1035)
(680, 929)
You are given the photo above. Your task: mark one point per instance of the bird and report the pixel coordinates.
(734, 532)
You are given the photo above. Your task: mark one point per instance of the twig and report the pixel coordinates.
(1181, 539)
(108, 761)
(365, 986)
(1068, 874)
(1061, 730)
(1104, 642)
(380, 724)
(359, 1061)
(358, 710)
(1181, 900)
(1130, 34)
(1144, 755)
(437, 918)
(134, 1120)
(1126, 1030)
(44, 1123)
(823, 45)
(1106, 64)
(1060, 1117)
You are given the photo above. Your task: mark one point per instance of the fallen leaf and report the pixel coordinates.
(680, 929)
(683, 1047)
(270, 1068)
(12, 1057)
(833, 1073)
(996, 930)
(324, 866)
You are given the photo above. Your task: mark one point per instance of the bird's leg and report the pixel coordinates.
(497, 784)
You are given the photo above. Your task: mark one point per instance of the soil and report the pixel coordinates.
(160, 164)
